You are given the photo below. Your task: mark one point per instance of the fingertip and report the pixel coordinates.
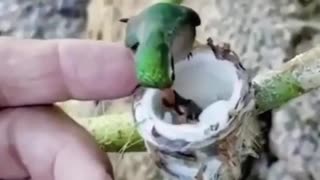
(106, 70)
(81, 163)
(42, 72)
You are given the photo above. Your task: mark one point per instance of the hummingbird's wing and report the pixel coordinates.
(189, 16)
(170, 16)
(182, 23)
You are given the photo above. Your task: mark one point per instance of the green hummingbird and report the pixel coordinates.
(159, 36)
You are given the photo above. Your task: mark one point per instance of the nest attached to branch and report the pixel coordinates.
(225, 133)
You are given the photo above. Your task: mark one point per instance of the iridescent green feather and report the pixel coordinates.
(152, 62)
(150, 34)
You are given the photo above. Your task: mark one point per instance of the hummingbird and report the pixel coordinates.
(160, 36)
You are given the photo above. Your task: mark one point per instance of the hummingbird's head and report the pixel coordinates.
(154, 63)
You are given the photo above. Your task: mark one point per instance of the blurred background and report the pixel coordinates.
(265, 34)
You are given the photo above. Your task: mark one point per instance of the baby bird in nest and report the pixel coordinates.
(187, 109)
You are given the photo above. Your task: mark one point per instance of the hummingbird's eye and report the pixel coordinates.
(134, 47)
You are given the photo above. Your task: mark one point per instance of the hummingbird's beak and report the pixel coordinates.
(173, 77)
(135, 89)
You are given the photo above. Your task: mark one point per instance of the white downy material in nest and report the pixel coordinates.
(225, 133)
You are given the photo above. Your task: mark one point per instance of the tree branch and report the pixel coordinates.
(296, 77)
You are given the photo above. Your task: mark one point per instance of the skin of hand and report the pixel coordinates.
(39, 141)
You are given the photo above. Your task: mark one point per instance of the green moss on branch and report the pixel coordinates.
(114, 132)
(300, 75)
(276, 90)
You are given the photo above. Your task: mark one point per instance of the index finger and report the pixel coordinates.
(47, 71)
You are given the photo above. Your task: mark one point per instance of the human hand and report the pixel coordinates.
(39, 140)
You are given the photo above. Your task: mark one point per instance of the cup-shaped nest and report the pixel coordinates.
(213, 77)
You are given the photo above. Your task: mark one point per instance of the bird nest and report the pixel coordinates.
(217, 140)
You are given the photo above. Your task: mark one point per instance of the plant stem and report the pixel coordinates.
(297, 77)
(114, 132)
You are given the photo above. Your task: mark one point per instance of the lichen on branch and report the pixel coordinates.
(296, 77)
(114, 132)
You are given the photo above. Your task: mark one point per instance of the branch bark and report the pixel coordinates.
(296, 77)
